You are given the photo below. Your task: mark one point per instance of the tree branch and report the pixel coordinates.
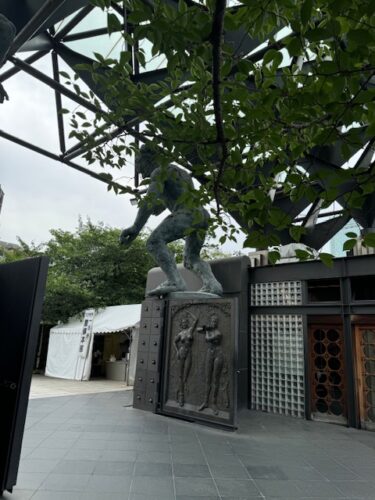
(216, 41)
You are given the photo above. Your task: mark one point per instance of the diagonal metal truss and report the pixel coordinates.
(36, 22)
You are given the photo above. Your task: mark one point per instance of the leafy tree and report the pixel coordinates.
(89, 268)
(243, 119)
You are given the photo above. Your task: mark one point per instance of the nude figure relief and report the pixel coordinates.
(215, 365)
(183, 342)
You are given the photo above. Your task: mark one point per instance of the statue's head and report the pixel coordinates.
(184, 322)
(145, 161)
(214, 321)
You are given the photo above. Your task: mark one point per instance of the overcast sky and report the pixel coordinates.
(41, 194)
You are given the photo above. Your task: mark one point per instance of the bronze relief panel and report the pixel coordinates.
(199, 363)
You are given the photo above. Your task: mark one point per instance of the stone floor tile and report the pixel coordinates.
(18, 494)
(223, 460)
(75, 467)
(56, 495)
(191, 470)
(189, 497)
(78, 454)
(113, 468)
(152, 485)
(355, 488)
(37, 465)
(359, 473)
(118, 455)
(266, 472)
(51, 442)
(280, 489)
(229, 471)
(152, 469)
(48, 453)
(65, 482)
(90, 444)
(154, 456)
(245, 488)
(318, 489)
(188, 458)
(102, 495)
(30, 480)
(154, 446)
(123, 445)
(195, 486)
(303, 473)
(155, 496)
(108, 484)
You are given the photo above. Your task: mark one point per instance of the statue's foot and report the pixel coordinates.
(215, 409)
(203, 406)
(181, 400)
(214, 289)
(166, 288)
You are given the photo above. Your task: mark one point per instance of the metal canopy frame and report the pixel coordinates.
(36, 32)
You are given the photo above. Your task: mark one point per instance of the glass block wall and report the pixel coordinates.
(278, 293)
(277, 364)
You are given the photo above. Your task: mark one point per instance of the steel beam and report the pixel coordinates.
(54, 85)
(55, 157)
(117, 8)
(31, 59)
(40, 17)
(86, 34)
(73, 22)
(60, 118)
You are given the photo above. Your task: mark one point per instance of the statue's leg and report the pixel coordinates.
(208, 369)
(217, 369)
(187, 366)
(193, 261)
(181, 392)
(172, 228)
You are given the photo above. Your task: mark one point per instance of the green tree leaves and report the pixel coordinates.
(89, 268)
(309, 85)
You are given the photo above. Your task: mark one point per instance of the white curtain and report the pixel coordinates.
(62, 357)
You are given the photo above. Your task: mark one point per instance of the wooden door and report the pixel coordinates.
(327, 373)
(365, 374)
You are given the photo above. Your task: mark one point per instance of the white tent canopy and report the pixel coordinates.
(111, 319)
(64, 358)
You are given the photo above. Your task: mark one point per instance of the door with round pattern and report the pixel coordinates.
(327, 374)
(365, 370)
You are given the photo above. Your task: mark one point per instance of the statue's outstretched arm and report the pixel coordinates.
(195, 320)
(144, 212)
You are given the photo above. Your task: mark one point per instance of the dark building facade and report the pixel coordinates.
(306, 337)
(312, 340)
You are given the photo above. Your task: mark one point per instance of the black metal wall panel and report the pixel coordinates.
(21, 297)
(147, 377)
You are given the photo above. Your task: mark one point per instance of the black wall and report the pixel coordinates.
(21, 297)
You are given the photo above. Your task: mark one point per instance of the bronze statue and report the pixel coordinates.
(214, 362)
(183, 343)
(165, 190)
(7, 34)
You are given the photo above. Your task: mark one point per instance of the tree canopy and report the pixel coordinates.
(89, 268)
(244, 117)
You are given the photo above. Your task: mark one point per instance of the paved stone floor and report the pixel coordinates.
(44, 387)
(96, 447)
